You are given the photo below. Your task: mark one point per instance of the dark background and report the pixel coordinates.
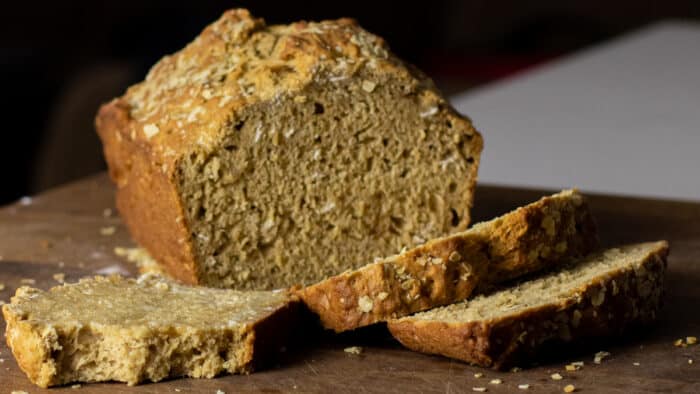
(60, 60)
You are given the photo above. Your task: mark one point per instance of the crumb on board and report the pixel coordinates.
(691, 340)
(356, 350)
(19, 392)
(27, 281)
(220, 391)
(636, 364)
(556, 376)
(524, 386)
(496, 381)
(2, 286)
(574, 366)
(107, 212)
(109, 230)
(478, 375)
(479, 389)
(690, 361)
(569, 388)
(59, 277)
(516, 369)
(76, 386)
(600, 356)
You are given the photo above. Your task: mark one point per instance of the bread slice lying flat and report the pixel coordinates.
(447, 270)
(261, 157)
(601, 294)
(110, 328)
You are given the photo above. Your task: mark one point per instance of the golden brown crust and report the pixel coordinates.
(141, 185)
(491, 252)
(502, 342)
(437, 273)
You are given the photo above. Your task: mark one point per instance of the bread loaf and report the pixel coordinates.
(259, 157)
(448, 269)
(110, 328)
(602, 294)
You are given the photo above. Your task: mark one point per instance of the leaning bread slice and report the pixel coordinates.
(599, 295)
(110, 328)
(447, 270)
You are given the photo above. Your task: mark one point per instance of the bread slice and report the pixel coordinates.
(447, 270)
(601, 294)
(110, 328)
(260, 157)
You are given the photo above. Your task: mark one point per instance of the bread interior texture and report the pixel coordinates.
(309, 184)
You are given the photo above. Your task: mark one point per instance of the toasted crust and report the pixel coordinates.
(519, 242)
(436, 273)
(150, 130)
(504, 341)
(51, 352)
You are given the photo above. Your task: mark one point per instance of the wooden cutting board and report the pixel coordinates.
(68, 231)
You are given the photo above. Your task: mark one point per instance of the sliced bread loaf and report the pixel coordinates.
(601, 294)
(260, 157)
(447, 270)
(110, 328)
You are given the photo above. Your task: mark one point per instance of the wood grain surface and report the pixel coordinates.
(60, 232)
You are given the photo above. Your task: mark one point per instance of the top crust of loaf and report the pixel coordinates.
(236, 62)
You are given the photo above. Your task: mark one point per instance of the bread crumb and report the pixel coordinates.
(679, 343)
(368, 86)
(556, 376)
(19, 392)
(76, 386)
(496, 381)
(356, 350)
(575, 366)
(523, 386)
(478, 375)
(109, 230)
(382, 296)
(479, 389)
(177, 390)
(59, 277)
(636, 364)
(515, 369)
(149, 130)
(365, 304)
(220, 392)
(691, 340)
(27, 281)
(107, 212)
(2, 286)
(600, 356)
(690, 361)
(2, 360)
(569, 388)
